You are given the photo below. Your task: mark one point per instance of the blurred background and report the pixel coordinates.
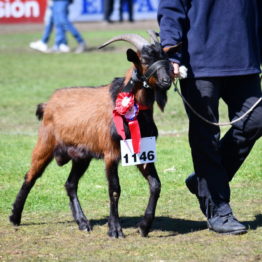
(33, 11)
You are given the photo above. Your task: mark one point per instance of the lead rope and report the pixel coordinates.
(206, 120)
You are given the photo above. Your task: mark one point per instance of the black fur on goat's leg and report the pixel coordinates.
(150, 174)
(115, 229)
(77, 171)
(19, 203)
(40, 160)
(22, 195)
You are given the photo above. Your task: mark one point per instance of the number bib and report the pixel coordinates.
(147, 152)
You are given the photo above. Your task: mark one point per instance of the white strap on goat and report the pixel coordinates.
(215, 123)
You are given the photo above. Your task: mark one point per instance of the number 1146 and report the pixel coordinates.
(143, 157)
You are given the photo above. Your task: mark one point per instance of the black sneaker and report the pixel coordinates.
(192, 185)
(227, 224)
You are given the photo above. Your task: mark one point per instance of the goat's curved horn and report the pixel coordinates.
(154, 35)
(136, 40)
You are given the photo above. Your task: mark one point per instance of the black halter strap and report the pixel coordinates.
(129, 86)
(144, 78)
(154, 67)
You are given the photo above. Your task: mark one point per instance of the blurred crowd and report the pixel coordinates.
(57, 17)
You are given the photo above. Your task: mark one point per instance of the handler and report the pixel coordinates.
(222, 49)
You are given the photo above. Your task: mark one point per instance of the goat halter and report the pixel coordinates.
(149, 72)
(154, 67)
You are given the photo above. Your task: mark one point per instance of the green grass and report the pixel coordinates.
(48, 232)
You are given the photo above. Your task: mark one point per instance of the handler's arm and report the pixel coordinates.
(172, 22)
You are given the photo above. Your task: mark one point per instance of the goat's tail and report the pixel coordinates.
(40, 110)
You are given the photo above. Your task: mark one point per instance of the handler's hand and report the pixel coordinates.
(180, 71)
(176, 70)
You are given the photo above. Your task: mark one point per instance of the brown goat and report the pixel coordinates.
(77, 124)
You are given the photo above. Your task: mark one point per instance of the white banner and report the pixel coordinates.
(93, 10)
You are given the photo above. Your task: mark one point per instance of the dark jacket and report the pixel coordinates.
(219, 37)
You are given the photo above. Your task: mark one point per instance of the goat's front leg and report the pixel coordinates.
(115, 229)
(71, 185)
(150, 174)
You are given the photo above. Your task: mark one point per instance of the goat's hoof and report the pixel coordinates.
(15, 220)
(143, 230)
(85, 227)
(83, 224)
(116, 234)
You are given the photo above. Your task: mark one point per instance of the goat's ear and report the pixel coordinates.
(132, 56)
(172, 49)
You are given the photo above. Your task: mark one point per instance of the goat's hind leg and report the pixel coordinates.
(41, 157)
(78, 169)
(150, 174)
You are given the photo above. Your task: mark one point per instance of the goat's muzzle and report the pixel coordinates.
(164, 83)
(162, 70)
(164, 79)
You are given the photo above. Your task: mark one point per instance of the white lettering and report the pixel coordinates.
(1, 9)
(8, 9)
(32, 7)
(18, 9)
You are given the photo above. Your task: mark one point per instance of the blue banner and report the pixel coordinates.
(93, 10)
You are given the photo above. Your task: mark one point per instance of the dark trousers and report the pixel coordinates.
(217, 160)
(130, 9)
(108, 9)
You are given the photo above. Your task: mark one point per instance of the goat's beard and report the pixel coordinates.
(161, 98)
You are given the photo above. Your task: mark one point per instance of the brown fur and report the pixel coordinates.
(71, 114)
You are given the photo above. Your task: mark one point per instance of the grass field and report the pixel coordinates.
(47, 232)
